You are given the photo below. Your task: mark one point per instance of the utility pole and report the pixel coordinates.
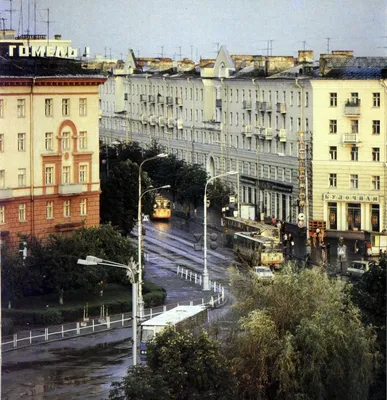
(162, 52)
(328, 40)
(191, 52)
(11, 10)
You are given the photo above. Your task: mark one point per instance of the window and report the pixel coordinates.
(49, 141)
(83, 207)
(1, 108)
(1, 142)
(83, 173)
(332, 180)
(82, 107)
(48, 107)
(67, 208)
(355, 98)
(2, 178)
(65, 107)
(354, 181)
(49, 210)
(376, 183)
(21, 177)
(376, 99)
(354, 126)
(21, 108)
(375, 154)
(237, 96)
(21, 142)
(376, 127)
(291, 98)
(354, 153)
(333, 152)
(333, 99)
(83, 140)
(333, 126)
(230, 95)
(2, 214)
(66, 141)
(22, 213)
(49, 175)
(66, 175)
(306, 99)
(230, 118)
(298, 99)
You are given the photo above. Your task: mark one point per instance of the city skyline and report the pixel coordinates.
(198, 29)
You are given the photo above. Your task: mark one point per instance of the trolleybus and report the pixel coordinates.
(161, 208)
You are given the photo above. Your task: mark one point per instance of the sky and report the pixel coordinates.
(196, 28)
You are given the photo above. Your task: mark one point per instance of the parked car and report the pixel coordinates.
(263, 272)
(357, 268)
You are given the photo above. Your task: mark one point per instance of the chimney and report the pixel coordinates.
(58, 37)
(305, 56)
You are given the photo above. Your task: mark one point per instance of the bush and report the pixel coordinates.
(7, 326)
(51, 317)
(155, 299)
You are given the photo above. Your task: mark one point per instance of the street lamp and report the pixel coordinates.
(131, 274)
(139, 228)
(206, 281)
(139, 222)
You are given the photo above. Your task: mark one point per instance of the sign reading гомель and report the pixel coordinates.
(351, 197)
(45, 51)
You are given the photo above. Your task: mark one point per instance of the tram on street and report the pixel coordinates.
(161, 208)
(180, 317)
(254, 249)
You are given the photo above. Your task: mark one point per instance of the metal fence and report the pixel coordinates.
(98, 324)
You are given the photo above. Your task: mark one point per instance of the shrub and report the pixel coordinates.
(51, 317)
(155, 299)
(7, 327)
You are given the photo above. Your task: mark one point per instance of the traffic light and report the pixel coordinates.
(23, 250)
(213, 240)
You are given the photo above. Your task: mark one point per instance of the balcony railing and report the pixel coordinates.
(352, 107)
(70, 188)
(151, 98)
(161, 121)
(179, 124)
(143, 97)
(153, 120)
(282, 135)
(247, 104)
(144, 119)
(281, 108)
(218, 103)
(160, 99)
(351, 138)
(170, 122)
(247, 130)
(268, 134)
(6, 194)
(179, 101)
(169, 101)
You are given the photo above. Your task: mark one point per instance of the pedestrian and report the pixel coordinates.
(274, 220)
(323, 253)
(368, 247)
(291, 243)
(356, 247)
(328, 247)
(285, 240)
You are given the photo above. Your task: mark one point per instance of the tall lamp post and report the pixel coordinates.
(139, 230)
(131, 274)
(206, 280)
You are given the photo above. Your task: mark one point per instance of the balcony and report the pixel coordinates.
(160, 99)
(268, 134)
(247, 130)
(153, 120)
(170, 122)
(179, 101)
(144, 119)
(143, 98)
(281, 108)
(352, 108)
(179, 124)
(212, 125)
(218, 103)
(247, 104)
(282, 135)
(70, 188)
(161, 121)
(351, 138)
(6, 194)
(151, 98)
(169, 101)
(268, 107)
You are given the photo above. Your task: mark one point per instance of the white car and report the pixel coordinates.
(263, 272)
(357, 268)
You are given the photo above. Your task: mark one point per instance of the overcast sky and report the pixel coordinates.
(198, 27)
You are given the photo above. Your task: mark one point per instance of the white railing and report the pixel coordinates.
(99, 324)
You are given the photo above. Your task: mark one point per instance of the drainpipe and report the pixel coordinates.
(32, 141)
(383, 84)
(257, 153)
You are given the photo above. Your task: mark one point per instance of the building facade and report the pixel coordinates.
(272, 119)
(49, 148)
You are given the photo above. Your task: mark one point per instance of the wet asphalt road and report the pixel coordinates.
(84, 367)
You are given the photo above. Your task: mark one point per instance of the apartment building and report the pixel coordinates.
(267, 117)
(49, 146)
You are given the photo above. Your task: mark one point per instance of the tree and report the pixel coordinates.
(369, 293)
(180, 366)
(298, 337)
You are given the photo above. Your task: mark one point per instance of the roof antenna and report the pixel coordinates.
(11, 10)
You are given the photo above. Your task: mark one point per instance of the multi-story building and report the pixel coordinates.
(272, 119)
(49, 146)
